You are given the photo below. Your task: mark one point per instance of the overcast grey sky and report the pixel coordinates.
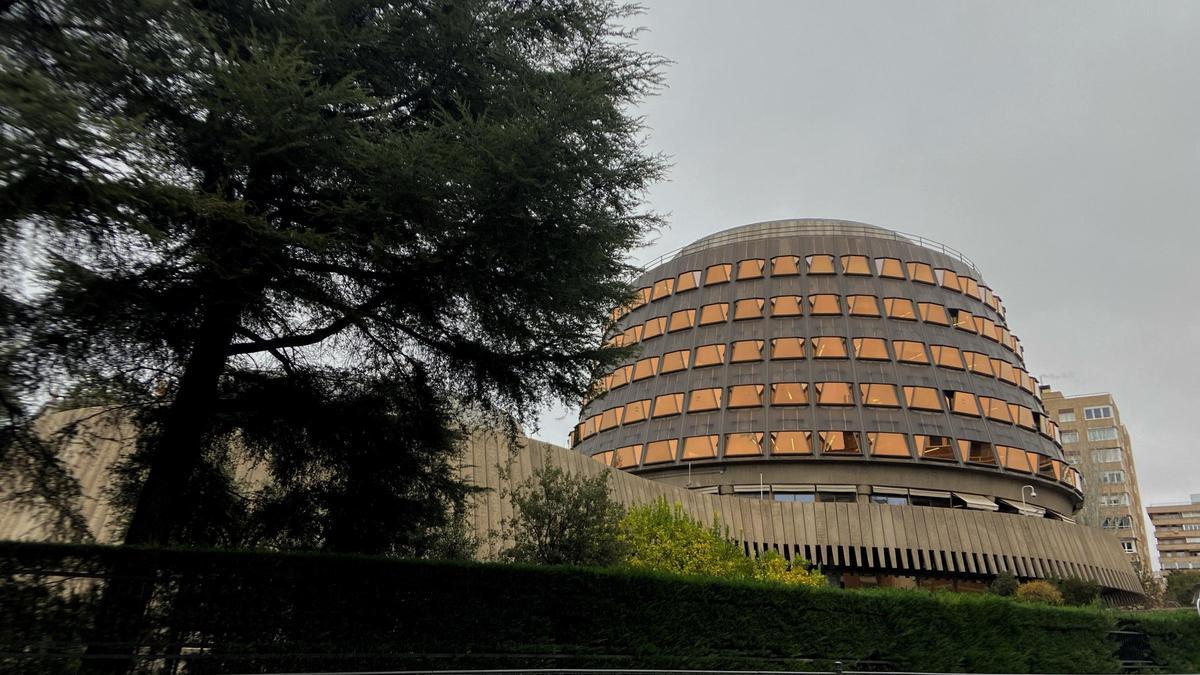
(1057, 144)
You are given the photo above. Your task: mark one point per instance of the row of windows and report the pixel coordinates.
(819, 264)
(837, 444)
(1098, 412)
(820, 347)
(820, 304)
(1094, 434)
(876, 395)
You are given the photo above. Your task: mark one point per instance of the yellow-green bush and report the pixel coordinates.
(1041, 591)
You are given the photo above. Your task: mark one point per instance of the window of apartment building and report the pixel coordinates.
(856, 264)
(1066, 415)
(1106, 455)
(862, 305)
(661, 451)
(675, 361)
(663, 288)
(824, 304)
(636, 411)
(1112, 477)
(789, 393)
(921, 272)
(689, 280)
(879, 395)
(746, 395)
(834, 393)
(935, 447)
(888, 444)
(1098, 412)
(746, 350)
(743, 444)
(1117, 523)
(705, 399)
(840, 443)
(1102, 434)
(1127, 545)
(829, 348)
(900, 308)
(889, 267)
(1120, 499)
(1068, 437)
(700, 447)
(718, 274)
(717, 312)
(748, 308)
(908, 351)
(710, 355)
(668, 404)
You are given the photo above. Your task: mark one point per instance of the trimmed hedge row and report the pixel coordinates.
(272, 611)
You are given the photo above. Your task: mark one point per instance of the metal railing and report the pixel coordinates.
(807, 227)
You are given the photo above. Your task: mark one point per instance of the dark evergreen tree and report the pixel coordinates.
(313, 234)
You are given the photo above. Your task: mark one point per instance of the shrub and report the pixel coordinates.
(560, 519)
(1041, 591)
(772, 567)
(1078, 592)
(1005, 584)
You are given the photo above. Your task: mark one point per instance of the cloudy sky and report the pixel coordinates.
(1057, 144)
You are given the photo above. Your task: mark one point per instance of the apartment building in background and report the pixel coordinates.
(1177, 529)
(1096, 443)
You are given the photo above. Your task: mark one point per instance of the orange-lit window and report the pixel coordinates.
(674, 361)
(604, 458)
(718, 312)
(1005, 371)
(863, 305)
(923, 398)
(889, 267)
(921, 272)
(908, 351)
(688, 281)
(620, 376)
(636, 411)
(947, 279)
(970, 287)
(977, 452)
(750, 269)
(988, 298)
(587, 427)
(995, 409)
(617, 340)
(668, 404)
(820, 264)
(789, 393)
(631, 335)
(829, 348)
(645, 368)
(658, 452)
(682, 320)
(1049, 468)
(900, 308)
(947, 357)
(978, 363)
(627, 456)
(709, 355)
(870, 349)
(700, 447)
(746, 395)
(834, 393)
(746, 350)
(787, 305)
(620, 312)
(963, 320)
(744, 444)
(884, 444)
(933, 313)
(641, 297)
(963, 403)
(856, 264)
(655, 327)
(1025, 381)
(748, 308)
(824, 303)
(791, 443)
(1015, 459)
(839, 443)
(785, 265)
(787, 348)
(701, 400)
(717, 274)
(879, 395)
(936, 447)
(1022, 416)
(611, 418)
(663, 288)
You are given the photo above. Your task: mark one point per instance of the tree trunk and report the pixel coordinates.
(174, 455)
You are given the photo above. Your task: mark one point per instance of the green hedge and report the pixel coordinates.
(271, 611)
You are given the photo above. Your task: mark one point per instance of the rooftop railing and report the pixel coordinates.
(807, 228)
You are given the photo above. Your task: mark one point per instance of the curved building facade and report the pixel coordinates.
(827, 361)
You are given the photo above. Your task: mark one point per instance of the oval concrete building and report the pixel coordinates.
(826, 361)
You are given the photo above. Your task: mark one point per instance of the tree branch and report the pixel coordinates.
(304, 339)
